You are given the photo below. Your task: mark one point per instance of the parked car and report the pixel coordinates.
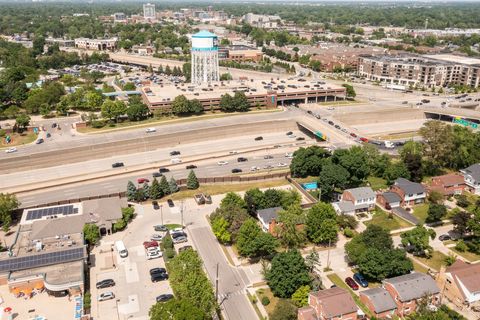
(268, 157)
(155, 205)
(39, 141)
(191, 166)
(156, 237)
(142, 180)
(158, 277)
(154, 254)
(170, 203)
(117, 164)
(150, 244)
(156, 174)
(160, 227)
(49, 135)
(360, 279)
(185, 248)
(106, 296)
(222, 163)
(11, 150)
(351, 283)
(163, 170)
(208, 198)
(158, 270)
(105, 283)
(242, 159)
(180, 239)
(175, 153)
(164, 297)
(444, 237)
(236, 170)
(258, 138)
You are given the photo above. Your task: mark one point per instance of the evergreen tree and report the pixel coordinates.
(131, 189)
(173, 185)
(192, 181)
(155, 191)
(168, 70)
(164, 187)
(146, 189)
(160, 69)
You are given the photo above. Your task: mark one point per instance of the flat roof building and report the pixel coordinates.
(96, 44)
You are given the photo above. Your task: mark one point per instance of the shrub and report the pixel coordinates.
(253, 299)
(462, 201)
(265, 301)
(348, 233)
(87, 301)
(167, 243)
(461, 246)
(119, 225)
(3, 133)
(169, 253)
(97, 124)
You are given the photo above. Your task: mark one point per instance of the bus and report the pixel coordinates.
(122, 250)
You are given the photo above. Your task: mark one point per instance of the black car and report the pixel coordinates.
(191, 166)
(289, 133)
(157, 270)
(163, 170)
(300, 138)
(330, 123)
(177, 234)
(105, 283)
(117, 165)
(236, 170)
(48, 135)
(444, 237)
(156, 174)
(242, 159)
(158, 277)
(170, 203)
(337, 126)
(258, 138)
(175, 153)
(39, 141)
(155, 205)
(164, 297)
(309, 112)
(54, 125)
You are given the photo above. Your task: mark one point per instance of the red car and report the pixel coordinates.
(353, 135)
(150, 244)
(142, 180)
(363, 139)
(351, 283)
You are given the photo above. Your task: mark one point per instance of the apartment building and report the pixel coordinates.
(149, 11)
(421, 71)
(262, 21)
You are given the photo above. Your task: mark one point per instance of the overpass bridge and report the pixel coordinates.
(466, 117)
(310, 131)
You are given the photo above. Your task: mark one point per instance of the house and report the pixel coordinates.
(471, 177)
(355, 200)
(460, 283)
(379, 301)
(448, 184)
(268, 218)
(408, 289)
(389, 200)
(330, 304)
(410, 192)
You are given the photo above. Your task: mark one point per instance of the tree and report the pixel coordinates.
(355, 161)
(227, 103)
(286, 229)
(137, 110)
(253, 242)
(460, 222)
(113, 109)
(435, 197)
(172, 184)
(180, 105)
(240, 102)
(395, 171)
(176, 309)
(164, 186)
(253, 200)
(192, 181)
(22, 121)
(413, 163)
(417, 240)
(155, 190)
(436, 212)
(321, 223)
(91, 233)
(312, 260)
(287, 273)
(220, 230)
(350, 90)
(146, 189)
(232, 199)
(94, 100)
(300, 297)
(235, 216)
(187, 71)
(131, 190)
(439, 138)
(380, 264)
(38, 45)
(195, 106)
(308, 161)
(8, 204)
(284, 310)
(225, 77)
(332, 176)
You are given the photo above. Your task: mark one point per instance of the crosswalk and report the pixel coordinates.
(226, 295)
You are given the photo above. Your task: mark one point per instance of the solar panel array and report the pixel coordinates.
(43, 259)
(35, 214)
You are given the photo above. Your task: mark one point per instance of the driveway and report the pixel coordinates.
(404, 214)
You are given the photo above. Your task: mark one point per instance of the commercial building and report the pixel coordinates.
(240, 53)
(262, 21)
(96, 44)
(119, 17)
(149, 11)
(259, 93)
(421, 71)
(60, 42)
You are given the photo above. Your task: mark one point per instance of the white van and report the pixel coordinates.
(122, 250)
(176, 160)
(149, 130)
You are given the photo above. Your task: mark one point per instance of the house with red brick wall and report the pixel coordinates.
(389, 200)
(448, 184)
(379, 302)
(410, 192)
(269, 218)
(355, 200)
(330, 304)
(408, 289)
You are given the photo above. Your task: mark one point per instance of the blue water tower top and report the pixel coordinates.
(204, 40)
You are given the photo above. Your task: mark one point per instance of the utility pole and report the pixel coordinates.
(181, 211)
(216, 285)
(161, 212)
(328, 254)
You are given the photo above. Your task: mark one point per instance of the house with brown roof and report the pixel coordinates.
(460, 283)
(380, 302)
(330, 304)
(408, 289)
(448, 184)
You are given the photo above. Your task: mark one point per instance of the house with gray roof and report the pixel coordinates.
(355, 200)
(268, 218)
(471, 175)
(410, 192)
(389, 200)
(379, 301)
(409, 289)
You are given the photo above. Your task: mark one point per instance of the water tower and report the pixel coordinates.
(204, 58)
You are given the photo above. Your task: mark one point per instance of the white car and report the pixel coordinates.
(222, 163)
(176, 160)
(289, 155)
(282, 164)
(233, 152)
(156, 237)
(106, 296)
(154, 254)
(292, 136)
(254, 168)
(332, 108)
(10, 150)
(150, 130)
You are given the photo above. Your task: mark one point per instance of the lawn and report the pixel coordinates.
(377, 183)
(213, 189)
(421, 211)
(381, 218)
(18, 139)
(266, 292)
(435, 262)
(173, 226)
(339, 283)
(470, 256)
(419, 267)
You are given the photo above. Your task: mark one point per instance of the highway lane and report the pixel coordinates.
(207, 168)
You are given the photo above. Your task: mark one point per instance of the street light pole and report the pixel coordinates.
(161, 212)
(216, 285)
(181, 211)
